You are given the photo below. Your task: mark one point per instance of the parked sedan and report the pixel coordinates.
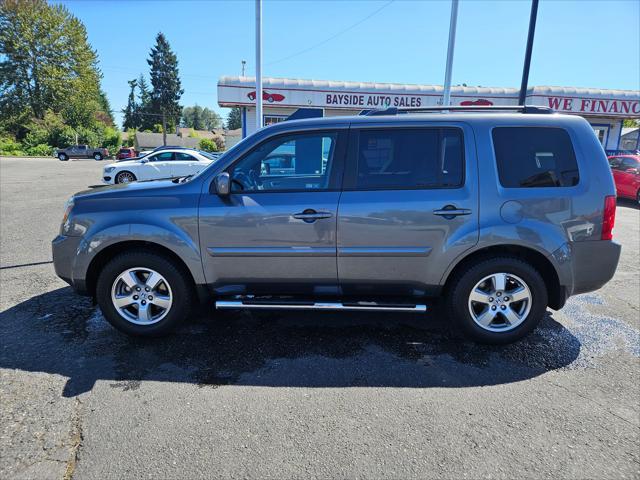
(157, 165)
(626, 174)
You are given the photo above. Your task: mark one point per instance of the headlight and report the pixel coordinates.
(64, 228)
(109, 169)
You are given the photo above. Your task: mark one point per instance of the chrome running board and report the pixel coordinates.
(355, 306)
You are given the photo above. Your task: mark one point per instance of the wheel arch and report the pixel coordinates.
(555, 291)
(106, 254)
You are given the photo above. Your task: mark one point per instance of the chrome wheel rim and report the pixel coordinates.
(141, 296)
(125, 178)
(500, 302)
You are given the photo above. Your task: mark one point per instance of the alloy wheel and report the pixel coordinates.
(500, 302)
(125, 177)
(141, 296)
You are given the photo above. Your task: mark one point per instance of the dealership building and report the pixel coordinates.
(603, 109)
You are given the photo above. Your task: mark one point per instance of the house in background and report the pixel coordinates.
(185, 137)
(630, 139)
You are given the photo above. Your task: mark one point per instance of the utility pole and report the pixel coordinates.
(164, 129)
(446, 96)
(244, 64)
(527, 56)
(258, 64)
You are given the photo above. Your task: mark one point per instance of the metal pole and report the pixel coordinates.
(258, 64)
(527, 56)
(446, 97)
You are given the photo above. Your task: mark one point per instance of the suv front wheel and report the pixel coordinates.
(498, 300)
(143, 293)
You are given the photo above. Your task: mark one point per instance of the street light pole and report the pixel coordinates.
(258, 64)
(527, 56)
(446, 97)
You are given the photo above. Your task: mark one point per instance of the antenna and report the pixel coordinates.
(244, 64)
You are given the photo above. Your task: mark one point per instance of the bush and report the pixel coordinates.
(9, 146)
(208, 145)
(219, 139)
(41, 150)
(112, 140)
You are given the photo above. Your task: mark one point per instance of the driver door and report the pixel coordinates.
(158, 166)
(276, 231)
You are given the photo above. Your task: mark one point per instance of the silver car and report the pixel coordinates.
(502, 214)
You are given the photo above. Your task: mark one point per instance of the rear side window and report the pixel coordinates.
(409, 158)
(535, 157)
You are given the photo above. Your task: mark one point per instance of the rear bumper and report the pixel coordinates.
(64, 250)
(593, 264)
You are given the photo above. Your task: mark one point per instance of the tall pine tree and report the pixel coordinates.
(234, 119)
(166, 92)
(131, 120)
(145, 118)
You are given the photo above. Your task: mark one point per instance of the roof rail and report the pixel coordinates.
(471, 108)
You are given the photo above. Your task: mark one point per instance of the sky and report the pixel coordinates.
(577, 44)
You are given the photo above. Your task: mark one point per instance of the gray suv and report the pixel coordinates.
(502, 214)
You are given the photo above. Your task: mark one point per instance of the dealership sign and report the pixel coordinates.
(332, 95)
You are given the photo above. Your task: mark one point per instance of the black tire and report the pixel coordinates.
(182, 289)
(465, 280)
(121, 175)
(63, 157)
(97, 156)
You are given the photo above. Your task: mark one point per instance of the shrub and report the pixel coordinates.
(219, 139)
(40, 150)
(208, 145)
(112, 140)
(9, 146)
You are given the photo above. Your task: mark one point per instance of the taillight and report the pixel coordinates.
(609, 217)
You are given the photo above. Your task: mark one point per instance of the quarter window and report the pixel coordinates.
(185, 157)
(534, 157)
(409, 158)
(292, 162)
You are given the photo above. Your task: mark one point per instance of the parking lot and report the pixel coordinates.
(293, 395)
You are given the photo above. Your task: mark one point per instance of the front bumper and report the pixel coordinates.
(65, 250)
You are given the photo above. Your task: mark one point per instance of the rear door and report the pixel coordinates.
(409, 207)
(184, 164)
(276, 231)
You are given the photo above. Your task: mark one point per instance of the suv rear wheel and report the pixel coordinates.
(143, 293)
(498, 300)
(97, 156)
(63, 157)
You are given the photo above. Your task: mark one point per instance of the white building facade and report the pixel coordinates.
(603, 109)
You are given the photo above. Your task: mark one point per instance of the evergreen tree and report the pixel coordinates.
(131, 117)
(146, 119)
(210, 119)
(165, 81)
(234, 119)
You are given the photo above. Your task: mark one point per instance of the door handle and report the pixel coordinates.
(450, 211)
(310, 215)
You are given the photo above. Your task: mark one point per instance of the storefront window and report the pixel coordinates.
(271, 119)
(602, 132)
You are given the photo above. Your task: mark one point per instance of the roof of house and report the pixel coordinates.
(146, 140)
(629, 130)
(186, 132)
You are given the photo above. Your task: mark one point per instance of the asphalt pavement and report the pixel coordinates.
(301, 395)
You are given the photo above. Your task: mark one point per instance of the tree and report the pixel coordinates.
(146, 118)
(234, 119)
(630, 122)
(130, 112)
(200, 118)
(210, 119)
(166, 93)
(46, 63)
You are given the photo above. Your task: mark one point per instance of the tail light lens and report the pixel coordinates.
(609, 217)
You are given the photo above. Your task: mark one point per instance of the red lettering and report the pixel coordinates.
(625, 108)
(567, 104)
(554, 103)
(602, 106)
(614, 107)
(583, 104)
(635, 108)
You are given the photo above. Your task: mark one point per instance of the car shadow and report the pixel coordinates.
(64, 334)
(627, 202)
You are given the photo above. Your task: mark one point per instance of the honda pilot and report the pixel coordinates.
(502, 214)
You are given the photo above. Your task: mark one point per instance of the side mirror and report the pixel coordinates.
(633, 170)
(144, 160)
(223, 184)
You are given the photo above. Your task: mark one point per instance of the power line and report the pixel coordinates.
(345, 30)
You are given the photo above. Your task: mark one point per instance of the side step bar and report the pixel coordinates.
(356, 306)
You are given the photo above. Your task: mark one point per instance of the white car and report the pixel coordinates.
(168, 163)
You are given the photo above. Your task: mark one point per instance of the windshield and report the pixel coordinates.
(210, 156)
